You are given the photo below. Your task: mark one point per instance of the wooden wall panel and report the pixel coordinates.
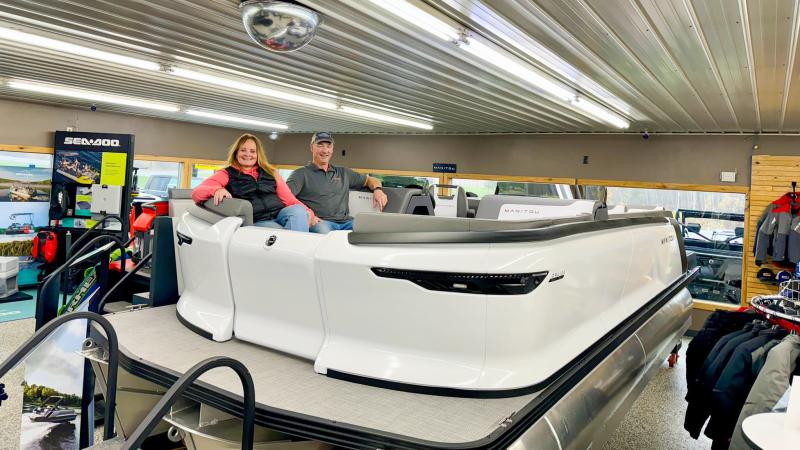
(771, 177)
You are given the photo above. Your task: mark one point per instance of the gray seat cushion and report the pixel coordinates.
(230, 207)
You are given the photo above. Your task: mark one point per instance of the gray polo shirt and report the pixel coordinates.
(326, 193)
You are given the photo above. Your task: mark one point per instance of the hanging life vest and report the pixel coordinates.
(45, 245)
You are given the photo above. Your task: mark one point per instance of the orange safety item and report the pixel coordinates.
(45, 245)
(145, 220)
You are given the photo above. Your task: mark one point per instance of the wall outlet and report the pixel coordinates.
(70, 129)
(728, 177)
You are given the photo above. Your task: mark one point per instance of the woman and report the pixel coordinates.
(249, 176)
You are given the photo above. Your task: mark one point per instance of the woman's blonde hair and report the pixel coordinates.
(261, 157)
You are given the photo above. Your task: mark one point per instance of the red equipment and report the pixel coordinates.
(45, 245)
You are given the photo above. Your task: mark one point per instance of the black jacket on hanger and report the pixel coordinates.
(699, 408)
(732, 387)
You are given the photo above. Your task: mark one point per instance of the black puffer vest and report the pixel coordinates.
(262, 194)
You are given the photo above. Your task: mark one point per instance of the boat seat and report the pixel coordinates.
(448, 205)
(407, 223)
(517, 207)
(400, 200)
(231, 207)
(179, 200)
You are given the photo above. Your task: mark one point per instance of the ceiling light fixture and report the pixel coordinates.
(385, 118)
(508, 64)
(60, 46)
(236, 119)
(500, 58)
(251, 88)
(601, 113)
(82, 94)
(414, 14)
(325, 102)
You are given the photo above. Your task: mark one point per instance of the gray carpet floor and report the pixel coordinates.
(654, 422)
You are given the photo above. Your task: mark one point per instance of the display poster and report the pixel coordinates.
(112, 169)
(51, 391)
(77, 167)
(25, 186)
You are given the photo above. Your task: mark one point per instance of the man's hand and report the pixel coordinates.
(312, 220)
(220, 195)
(379, 199)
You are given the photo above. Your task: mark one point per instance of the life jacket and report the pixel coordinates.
(261, 193)
(45, 245)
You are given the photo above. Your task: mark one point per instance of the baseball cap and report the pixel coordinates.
(766, 275)
(322, 136)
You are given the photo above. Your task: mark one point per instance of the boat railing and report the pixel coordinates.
(46, 305)
(113, 359)
(163, 406)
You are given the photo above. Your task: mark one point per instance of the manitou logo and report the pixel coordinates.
(91, 142)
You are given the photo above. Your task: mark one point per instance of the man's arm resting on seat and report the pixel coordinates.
(379, 197)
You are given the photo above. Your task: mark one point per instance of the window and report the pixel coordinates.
(156, 177)
(201, 171)
(712, 225)
(488, 187)
(401, 181)
(285, 173)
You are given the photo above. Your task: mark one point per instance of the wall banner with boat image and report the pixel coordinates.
(25, 188)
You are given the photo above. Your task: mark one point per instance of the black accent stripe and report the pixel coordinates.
(467, 283)
(503, 236)
(352, 436)
(193, 327)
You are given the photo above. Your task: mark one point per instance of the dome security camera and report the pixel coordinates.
(645, 135)
(93, 108)
(279, 25)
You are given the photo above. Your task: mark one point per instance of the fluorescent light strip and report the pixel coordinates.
(60, 46)
(242, 71)
(52, 44)
(420, 18)
(384, 118)
(508, 64)
(601, 113)
(271, 126)
(252, 88)
(91, 96)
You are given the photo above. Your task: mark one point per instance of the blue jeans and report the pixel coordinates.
(293, 218)
(326, 226)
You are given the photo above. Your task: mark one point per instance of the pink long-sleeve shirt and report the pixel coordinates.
(220, 179)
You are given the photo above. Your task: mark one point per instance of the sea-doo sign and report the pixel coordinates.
(93, 142)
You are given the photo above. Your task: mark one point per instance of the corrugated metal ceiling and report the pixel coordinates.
(680, 65)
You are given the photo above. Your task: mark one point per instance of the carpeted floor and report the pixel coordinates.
(654, 422)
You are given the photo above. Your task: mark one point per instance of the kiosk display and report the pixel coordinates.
(91, 177)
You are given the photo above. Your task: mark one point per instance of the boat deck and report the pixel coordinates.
(154, 343)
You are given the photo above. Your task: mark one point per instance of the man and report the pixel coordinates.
(325, 188)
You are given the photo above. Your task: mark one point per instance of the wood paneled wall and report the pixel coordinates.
(771, 177)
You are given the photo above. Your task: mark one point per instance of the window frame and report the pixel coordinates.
(733, 189)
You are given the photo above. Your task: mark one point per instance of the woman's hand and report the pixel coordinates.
(220, 195)
(312, 220)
